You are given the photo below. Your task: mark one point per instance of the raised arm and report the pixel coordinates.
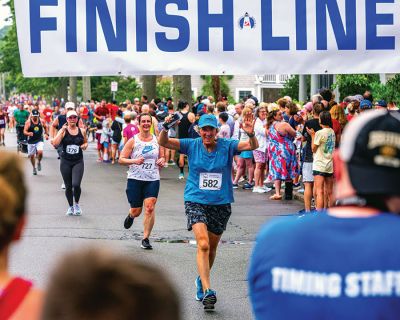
(169, 143)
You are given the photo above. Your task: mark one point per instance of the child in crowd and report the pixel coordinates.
(105, 140)
(224, 130)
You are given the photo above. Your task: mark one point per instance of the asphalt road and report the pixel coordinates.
(49, 233)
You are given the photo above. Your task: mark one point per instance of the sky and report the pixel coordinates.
(4, 13)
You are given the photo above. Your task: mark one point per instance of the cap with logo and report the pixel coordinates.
(208, 120)
(370, 146)
(35, 113)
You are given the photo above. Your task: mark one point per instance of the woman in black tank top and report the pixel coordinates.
(73, 140)
(183, 131)
(71, 146)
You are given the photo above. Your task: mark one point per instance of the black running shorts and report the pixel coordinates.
(137, 191)
(214, 216)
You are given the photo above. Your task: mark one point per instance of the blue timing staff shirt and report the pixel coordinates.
(210, 173)
(322, 267)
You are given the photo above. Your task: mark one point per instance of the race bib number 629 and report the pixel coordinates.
(210, 181)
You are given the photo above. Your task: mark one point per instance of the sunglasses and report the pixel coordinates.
(72, 117)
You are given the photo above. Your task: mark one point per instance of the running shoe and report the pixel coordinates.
(267, 189)
(63, 186)
(70, 211)
(296, 185)
(209, 300)
(39, 166)
(128, 222)
(181, 176)
(34, 172)
(235, 186)
(77, 210)
(146, 244)
(171, 163)
(259, 190)
(199, 289)
(247, 186)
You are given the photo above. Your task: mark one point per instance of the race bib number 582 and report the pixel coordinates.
(210, 181)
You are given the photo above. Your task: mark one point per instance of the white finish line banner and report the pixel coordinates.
(132, 37)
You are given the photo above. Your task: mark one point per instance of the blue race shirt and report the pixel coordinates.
(202, 162)
(322, 267)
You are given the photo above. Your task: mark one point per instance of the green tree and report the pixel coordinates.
(389, 91)
(291, 87)
(210, 86)
(164, 88)
(351, 84)
(128, 88)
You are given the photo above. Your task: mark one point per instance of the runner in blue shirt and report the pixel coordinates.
(208, 193)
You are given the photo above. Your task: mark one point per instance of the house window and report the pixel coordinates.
(242, 93)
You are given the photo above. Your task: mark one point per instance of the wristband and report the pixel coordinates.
(251, 135)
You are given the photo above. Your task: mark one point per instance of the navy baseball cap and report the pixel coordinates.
(208, 120)
(381, 103)
(35, 113)
(370, 146)
(365, 104)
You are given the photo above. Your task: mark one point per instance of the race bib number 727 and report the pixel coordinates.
(210, 181)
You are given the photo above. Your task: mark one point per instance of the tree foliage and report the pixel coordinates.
(389, 91)
(209, 85)
(291, 87)
(164, 88)
(351, 84)
(128, 88)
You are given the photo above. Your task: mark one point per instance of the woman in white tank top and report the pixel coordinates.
(145, 158)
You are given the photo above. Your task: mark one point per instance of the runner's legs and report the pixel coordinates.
(149, 216)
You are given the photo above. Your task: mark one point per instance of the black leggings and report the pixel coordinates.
(72, 173)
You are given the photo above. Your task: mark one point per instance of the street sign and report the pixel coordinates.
(114, 86)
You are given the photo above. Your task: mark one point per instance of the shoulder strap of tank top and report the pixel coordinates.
(12, 297)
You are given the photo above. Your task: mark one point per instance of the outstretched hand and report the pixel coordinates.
(248, 123)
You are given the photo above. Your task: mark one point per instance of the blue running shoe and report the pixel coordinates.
(247, 186)
(199, 289)
(209, 300)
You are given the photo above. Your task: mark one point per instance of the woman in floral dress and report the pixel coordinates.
(283, 165)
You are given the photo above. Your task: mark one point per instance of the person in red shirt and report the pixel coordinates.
(47, 114)
(101, 112)
(113, 109)
(84, 113)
